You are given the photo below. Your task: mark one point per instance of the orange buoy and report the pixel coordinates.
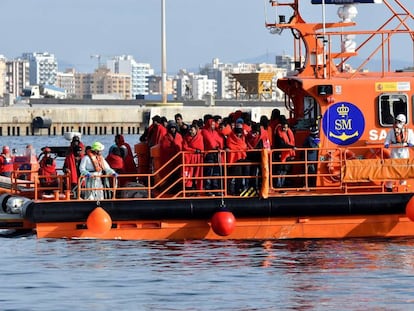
(409, 209)
(99, 221)
(223, 222)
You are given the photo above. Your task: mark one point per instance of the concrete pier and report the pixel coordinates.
(108, 117)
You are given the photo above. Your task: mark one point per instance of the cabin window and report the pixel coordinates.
(391, 105)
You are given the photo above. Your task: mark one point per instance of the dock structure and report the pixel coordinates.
(108, 117)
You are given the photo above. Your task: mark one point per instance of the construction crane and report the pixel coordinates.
(98, 57)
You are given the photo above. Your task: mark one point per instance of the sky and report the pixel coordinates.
(197, 30)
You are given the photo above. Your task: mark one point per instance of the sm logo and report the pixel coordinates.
(343, 123)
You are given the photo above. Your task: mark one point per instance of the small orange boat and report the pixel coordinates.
(354, 110)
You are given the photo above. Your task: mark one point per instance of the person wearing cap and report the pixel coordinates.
(92, 166)
(6, 162)
(311, 143)
(399, 138)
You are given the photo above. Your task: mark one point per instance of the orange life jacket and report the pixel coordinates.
(97, 161)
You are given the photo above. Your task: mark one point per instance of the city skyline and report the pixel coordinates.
(197, 31)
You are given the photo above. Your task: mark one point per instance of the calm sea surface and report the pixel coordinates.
(353, 274)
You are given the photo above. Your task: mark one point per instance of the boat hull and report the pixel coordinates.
(395, 225)
(301, 217)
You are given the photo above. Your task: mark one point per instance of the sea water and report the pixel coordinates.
(348, 274)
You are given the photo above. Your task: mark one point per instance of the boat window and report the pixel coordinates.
(391, 105)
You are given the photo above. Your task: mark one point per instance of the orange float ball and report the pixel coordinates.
(99, 221)
(223, 223)
(409, 209)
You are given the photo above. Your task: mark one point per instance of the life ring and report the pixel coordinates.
(336, 160)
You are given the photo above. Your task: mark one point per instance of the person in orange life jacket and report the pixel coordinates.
(236, 148)
(213, 141)
(6, 162)
(194, 145)
(311, 142)
(284, 139)
(48, 174)
(399, 137)
(93, 165)
(71, 165)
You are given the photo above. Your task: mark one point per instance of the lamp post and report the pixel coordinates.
(163, 55)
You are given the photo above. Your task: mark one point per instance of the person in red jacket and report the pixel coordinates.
(170, 145)
(115, 160)
(6, 162)
(284, 139)
(48, 174)
(236, 148)
(193, 143)
(71, 166)
(213, 141)
(156, 131)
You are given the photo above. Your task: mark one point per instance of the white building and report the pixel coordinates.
(43, 68)
(17, 76)
(191, 86)
(139, 73)
(66, 80)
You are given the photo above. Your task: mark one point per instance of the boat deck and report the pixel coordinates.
(339, 171)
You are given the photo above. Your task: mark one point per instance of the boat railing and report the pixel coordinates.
(186, 175)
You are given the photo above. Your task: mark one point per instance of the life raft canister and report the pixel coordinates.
(142, 152)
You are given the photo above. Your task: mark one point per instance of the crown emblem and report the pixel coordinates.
(342, 110)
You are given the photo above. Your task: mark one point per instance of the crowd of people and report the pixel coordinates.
(236, 137)
(207, 143)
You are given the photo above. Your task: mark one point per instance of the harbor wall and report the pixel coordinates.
(106, 117)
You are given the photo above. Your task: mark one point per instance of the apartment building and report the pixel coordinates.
(43, 68)
(102, 82)
(139, 73)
